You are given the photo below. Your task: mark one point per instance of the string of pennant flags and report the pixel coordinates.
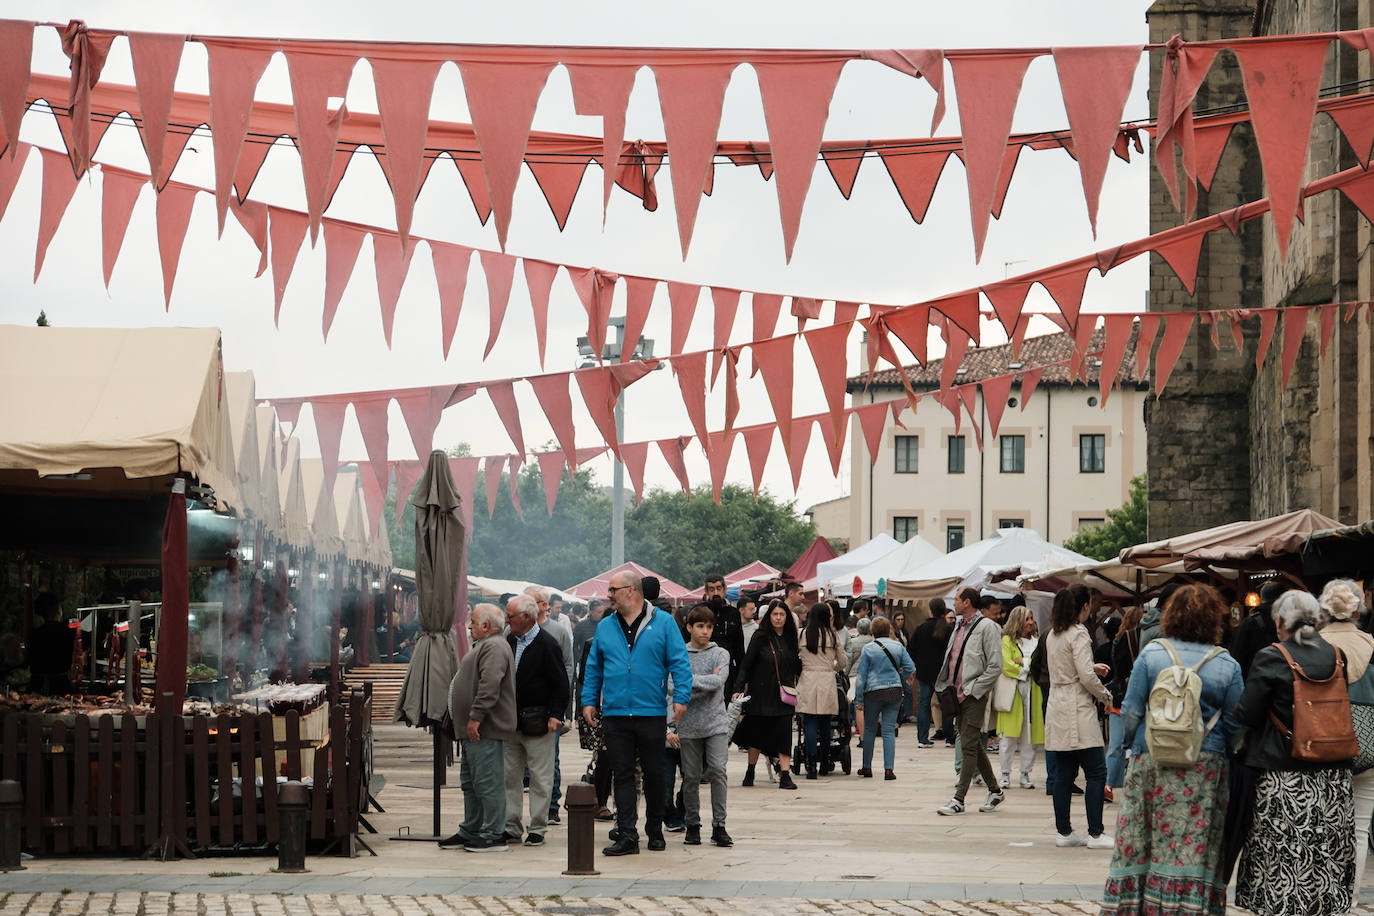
(502, 85)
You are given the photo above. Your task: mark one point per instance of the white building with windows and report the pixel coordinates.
(1057, 464)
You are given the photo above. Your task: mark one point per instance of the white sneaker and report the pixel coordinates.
(1070, 839)
(1026, 782)
(1102, 841)
(1006, 781)
(955, 806)
(994, 799)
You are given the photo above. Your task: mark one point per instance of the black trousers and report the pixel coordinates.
(628, 738)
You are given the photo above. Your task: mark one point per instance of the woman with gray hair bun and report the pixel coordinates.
(1342, 604)
(1299, 854)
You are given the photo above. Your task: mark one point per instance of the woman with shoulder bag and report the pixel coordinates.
(1299, 854)
(1023, 721)
(1343, 605)
(817, 696)
(767, 675)
(884, 666)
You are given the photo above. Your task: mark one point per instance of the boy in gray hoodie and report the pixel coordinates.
(703, 730)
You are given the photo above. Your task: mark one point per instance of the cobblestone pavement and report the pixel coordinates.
(145, 903)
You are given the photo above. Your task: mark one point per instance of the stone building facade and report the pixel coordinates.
(1227, 442)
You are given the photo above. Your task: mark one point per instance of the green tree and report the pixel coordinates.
(686, 536)
(1124, 527)
(42, 321)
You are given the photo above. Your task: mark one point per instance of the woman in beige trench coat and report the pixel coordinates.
(1073, 731)
(817, 697)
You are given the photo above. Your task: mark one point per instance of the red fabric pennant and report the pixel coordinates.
(986, 89)
(805, 309)
(1357, 124)
(1269, 318)
(551, 471)
(329, 417)
(956, 344)
(10, 170)
(500, 271)
(288, 411)
(795, 446)
(286, 229)
(682, 300)
(371, 414)
(927, 63)
(843, 161)
(872, 421)
(639, 296)
(672, 449)
(596, 290)
(1328, 325)
(599, 392)
(718, 448)
(1082, 339)
(1066, 288)
(758, 442)
(315, 79)
(996, 393)
(502, 98)
(726, 304)
(491, 473)
(915, 176)
(832, 434)
(156, 58)
(1176, 328)
(87, 50)
(404, 90)
(552, 393)
(1149, 326)
(766, 307)
(1185, 67)
(16, 37)
(828, 347)
(774, 358)
(59, 184)
(796, 105)
(464, 471)
(251, 158)
(451, 274)
(1095, 83)
(690, 370)
(407, 475)
(1361, 194)
(1210, 143)
(1182, 255)
(690, 95)
(234, 75)
(559, 181)
(470, 170)
(422, 408)
(173, 216)
(252, 216)
(962, 310)
(392, 263)
(1294, 328)
(502, 396)
(912, 326)
(1029, 379)
(1018, 335)
(968, 395)
(1116, 331)
(342, 242)
(539, 277)
(1007, 300)
(846, 312)
(604, 91)
(634, 455)
(96, 132)
(119, 193)
(1281, 82)
(374, 481)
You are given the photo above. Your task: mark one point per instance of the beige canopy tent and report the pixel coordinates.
(269, 470)
(1270, 543)
(348, 510)
(295, 515)
(319, 505)
(239, 405)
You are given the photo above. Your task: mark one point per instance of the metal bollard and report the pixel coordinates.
(292, 802)
(11, 803)
(581, 804)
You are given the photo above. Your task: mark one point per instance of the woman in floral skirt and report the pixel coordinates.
(1169, 833)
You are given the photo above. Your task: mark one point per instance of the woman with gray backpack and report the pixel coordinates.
(1176, 719)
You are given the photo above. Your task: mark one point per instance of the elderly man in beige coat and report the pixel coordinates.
(973, 661)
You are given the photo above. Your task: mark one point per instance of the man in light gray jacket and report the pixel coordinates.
(973, 661)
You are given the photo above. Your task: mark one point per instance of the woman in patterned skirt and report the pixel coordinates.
(1299, 856)
(1169, 832)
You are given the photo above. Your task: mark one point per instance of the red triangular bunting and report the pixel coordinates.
(690, 95)
(843, 161)
(1184, 69)
(559, 180)
(1269, 318)
(119, 193)
(915, 176)
(59, 184)
(515, 462)
(317, 78)
(1095, 83)
(996, 393)
(1183, 255)
(1176, 328)
(671, 450)
(491, 472)
(765, 309)
(539, 277)
(599, 392)
(1029, 379)
(774, 359)
(596, 290)
(500, 271)
(956, 344)
(968, 395)
(846, 312)
(872, 421)
(1210, 143)
(1328, 325)
(286, 228)
(342, 242)
(464, 471)
(502, 396)
(392, 264)
(371, 414)
(690, 370)
(795, 446)
(1007, 300)
(1149, 326)
(1116, 330)
(1361, 194)
(730, 356)
(404, 89)
(604, 91)
(912, 326)
(1082, 339)
(252, 216)
(470, 170)
(407, 475)
(639, 296)
(551, 471)
(805, 309)
(552, 393)
(374, 492)
(828, 346)
(329, 417)
(1357, 124)
(832, 434)
(1066, 288)
(961, 309)
(156, 58)
(1294, 328)
(718, 448)
(422, 409)
(634, 455)
(682, 300)
(234, 75)
(87, 49)
(758, 441)
(451, 274)
(726, 303)
(16, 37)
(173, 216)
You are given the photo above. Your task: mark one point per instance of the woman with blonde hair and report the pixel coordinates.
(1024, 723)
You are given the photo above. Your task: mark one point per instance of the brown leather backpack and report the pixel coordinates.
(1323, 728)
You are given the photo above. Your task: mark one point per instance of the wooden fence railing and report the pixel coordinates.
(166, 784)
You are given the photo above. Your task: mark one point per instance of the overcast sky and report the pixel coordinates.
(865, 249)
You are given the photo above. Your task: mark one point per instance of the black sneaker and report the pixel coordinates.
(693, 837)
(554, 818)
(511, 837)
(675, 827)
(626, 847)
(534, 839)
(720, 837)
(483, 845)
(455, 841)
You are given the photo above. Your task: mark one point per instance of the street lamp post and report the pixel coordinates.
(643, 349)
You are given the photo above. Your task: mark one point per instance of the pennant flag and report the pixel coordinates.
(404, 89)
(464, 471)
(16, 37)
(342, 242)
(962, 310)
(1116, 330)
(1182, 256)
(1176, 328)
(1007, 300)
(500, 271)
(726, 302)
(805, 309)
(59, 184)
(596, 289)
(912, 326)
(1185, 67)
(1268, 319)
(234, 75)
(604, 91)
(796, 104)
(1066, 288)
(1294, 328)
(915, 176)
(451, 274)
(828, 347)
(1149, 325)
(470, 170)
(765, 308)
(795, 446)
(730, 356)
(1210, 143)
(1357, 124)
(996, 393)
(690, 95)
(682, 300)
(843, 161)
(968, 395)
(374, 493)
(87, 49)
(156, 59)
(316, 78)
(551, 472)
(633, 455)
(986, 89)
(407, 475)
(286, 228)
(1082, 339)
(758, 441)
(422, 408)
(928, 64)
(718, 447)
(1095, 83)
(329, 417)
(502, 396)
(392, 264)
(956, 345)
(491, 472)
(502, 98)
(872, 422)
(601, 389)
(639, 296)
(552, 393)
(1281, 82)
(671, 450)
(774, 358)
(119, 193)
(371, 414)
(173, 216)
(846, 312)
(1029, 379)
(252, 216)
(539, 277)
(690, 370)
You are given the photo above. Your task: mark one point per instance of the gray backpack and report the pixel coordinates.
(1174, 728)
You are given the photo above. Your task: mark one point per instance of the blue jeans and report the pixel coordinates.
(924, 691)
(1066, 763)
(884, 716)
(1116, 752)
(482, 776)
(816, 728)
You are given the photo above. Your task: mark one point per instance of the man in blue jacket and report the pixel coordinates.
(627, 676)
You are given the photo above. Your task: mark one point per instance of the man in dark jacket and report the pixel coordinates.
(50, 649)
(1257, 630)
(729, 629)
(541, 699)
(927, 648)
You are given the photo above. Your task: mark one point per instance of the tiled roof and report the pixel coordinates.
(988, 362)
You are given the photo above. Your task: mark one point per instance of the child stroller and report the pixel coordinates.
(841, 727)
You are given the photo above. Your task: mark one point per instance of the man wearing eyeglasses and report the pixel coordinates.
(627, 670)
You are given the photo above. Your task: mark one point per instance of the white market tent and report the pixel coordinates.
(974, 565)
(898, 564)
(843, 567)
